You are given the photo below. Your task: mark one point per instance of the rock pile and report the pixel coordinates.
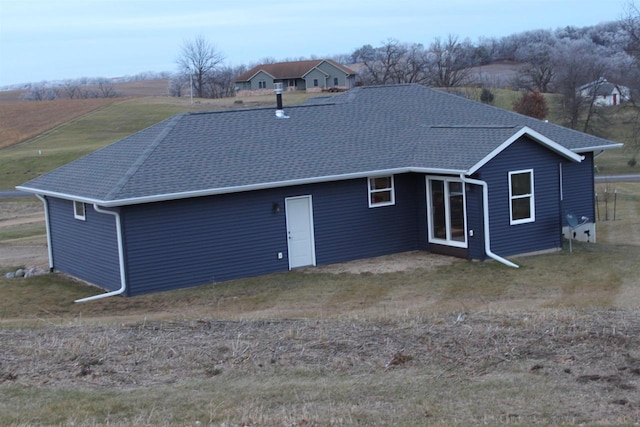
(25, 273)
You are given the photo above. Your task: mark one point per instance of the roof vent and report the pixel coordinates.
(278, 89)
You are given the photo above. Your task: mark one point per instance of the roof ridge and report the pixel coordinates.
(144, 156)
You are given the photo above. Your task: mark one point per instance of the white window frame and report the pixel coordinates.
(372, 191)
(79, 211)
(447, 194)
(530, 195)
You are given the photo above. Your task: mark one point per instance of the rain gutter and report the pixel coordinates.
(123, 279)
(485, 208)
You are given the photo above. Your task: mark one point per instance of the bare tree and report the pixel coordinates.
(579, 62)
(200, 59)
(449, 63)
(538, 72)
(71, 88)
(414, 64)
(177, 84)
(631, 26)
(106, 89)
(221, 84)
(40, 92)
(383, 66)
(362, 54)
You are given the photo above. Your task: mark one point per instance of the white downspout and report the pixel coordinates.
(48, 228)
(485, 208)
(123, 280)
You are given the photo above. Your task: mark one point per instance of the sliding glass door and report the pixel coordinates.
(446, 212)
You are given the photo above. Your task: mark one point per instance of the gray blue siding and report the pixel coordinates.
(86, 249)
(475, 221)
(576, 197)
(347, 229)
(202, 240)
(545, 232)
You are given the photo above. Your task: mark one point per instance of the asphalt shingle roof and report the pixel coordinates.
(363, 131)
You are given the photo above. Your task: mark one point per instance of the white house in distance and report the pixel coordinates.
(605, 93)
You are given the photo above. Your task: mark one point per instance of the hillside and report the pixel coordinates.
(21, 120)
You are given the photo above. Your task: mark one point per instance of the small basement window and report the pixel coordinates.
(521, 196)
(381, 191)
(78, 211)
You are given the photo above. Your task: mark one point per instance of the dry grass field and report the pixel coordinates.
(21, 120)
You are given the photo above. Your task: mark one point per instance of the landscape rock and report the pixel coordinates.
(25, 273)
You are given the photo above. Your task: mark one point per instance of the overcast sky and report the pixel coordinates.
(63, 39)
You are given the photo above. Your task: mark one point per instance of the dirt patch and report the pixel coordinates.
(393, 263)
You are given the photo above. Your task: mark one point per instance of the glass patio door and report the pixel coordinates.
(446, 212)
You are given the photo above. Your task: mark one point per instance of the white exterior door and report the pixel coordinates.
(301, 245)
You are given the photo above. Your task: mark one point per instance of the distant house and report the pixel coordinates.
(213, 196)
(310, 76)
(604, 93)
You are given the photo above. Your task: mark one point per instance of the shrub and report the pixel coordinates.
(532, 104)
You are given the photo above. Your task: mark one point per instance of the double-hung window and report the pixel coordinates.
(381, 192)
(521, 197)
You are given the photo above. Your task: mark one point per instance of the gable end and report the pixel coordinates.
(538, 137)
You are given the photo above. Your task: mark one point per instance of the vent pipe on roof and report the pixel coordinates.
(278, 89)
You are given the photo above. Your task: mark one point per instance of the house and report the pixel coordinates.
(213, 196)
(604, 93)
(310, 76)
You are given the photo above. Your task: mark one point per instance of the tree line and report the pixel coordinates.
(549, 61)
(552, 61)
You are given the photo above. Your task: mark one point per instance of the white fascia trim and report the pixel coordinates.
(238, 189)
(59, 195)
(599, 148)
(536, 136)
